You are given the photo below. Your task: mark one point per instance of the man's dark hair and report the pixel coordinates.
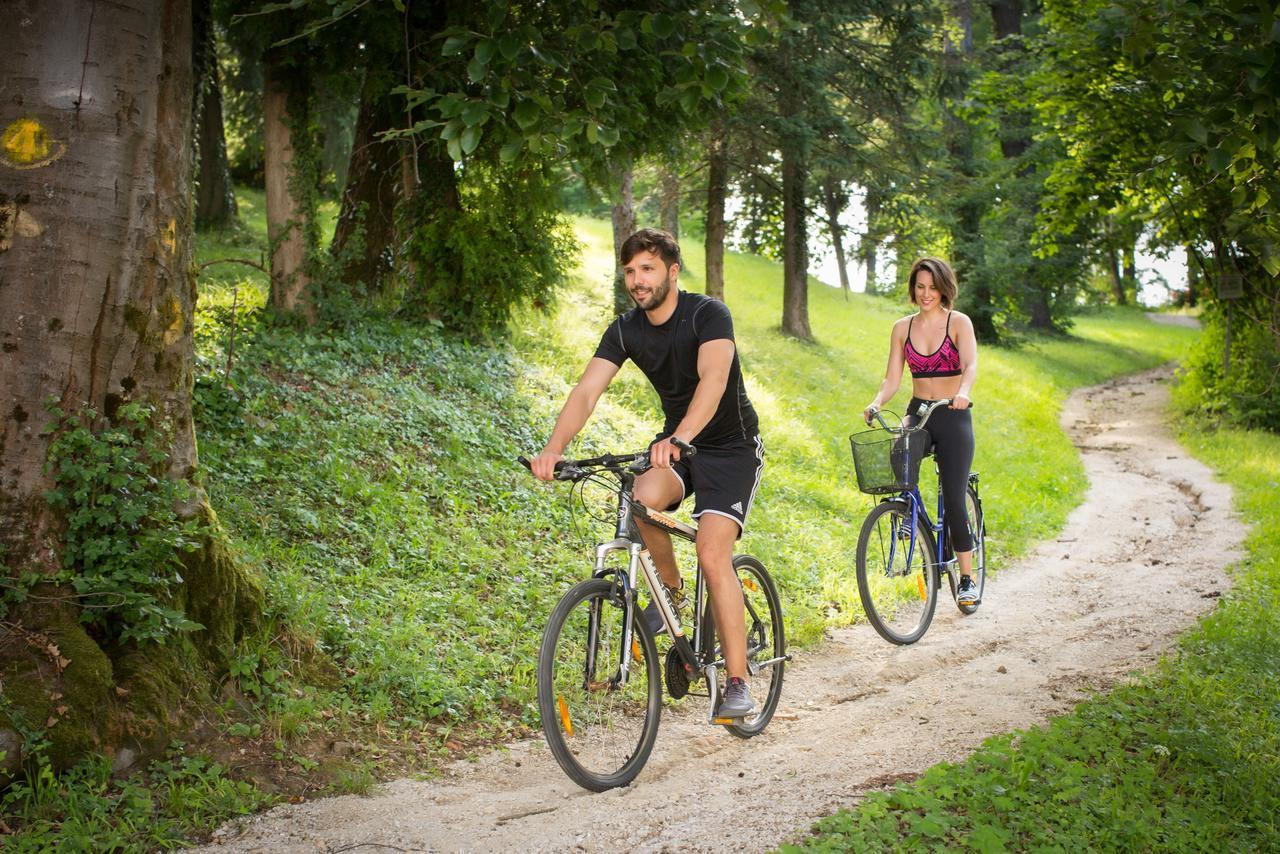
(653, 240)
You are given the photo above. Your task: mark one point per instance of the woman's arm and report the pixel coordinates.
(892, 372)
(967, 344)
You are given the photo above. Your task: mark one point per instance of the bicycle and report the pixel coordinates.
(599, 679)
(900, 557)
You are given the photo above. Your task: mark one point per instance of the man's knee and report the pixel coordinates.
(716, 537)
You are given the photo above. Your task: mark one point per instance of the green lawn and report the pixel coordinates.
(367, 476)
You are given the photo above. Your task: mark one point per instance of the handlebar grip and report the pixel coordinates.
(524, 461)
(685, 448)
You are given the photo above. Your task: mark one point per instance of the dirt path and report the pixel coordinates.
(1137, 563)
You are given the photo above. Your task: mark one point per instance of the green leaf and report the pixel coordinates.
(452, 130)
(455, 149)
(717, 78)
(593, 133)
(470, 139)
(608, 136)
(485, 50)
(527, 114)
(663, 25)
(1193, 129)
(454, 45)
(476, 70)
(511, 149)
(475, 113)
(509, 44)
(497, 14)
(594, 98)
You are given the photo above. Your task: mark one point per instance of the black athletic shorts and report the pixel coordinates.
(723, 480)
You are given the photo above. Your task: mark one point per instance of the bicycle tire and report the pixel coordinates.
(978, 527)
(899, 600)
(601, 736)
(766, 640)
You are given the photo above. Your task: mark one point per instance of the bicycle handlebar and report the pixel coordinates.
(924, 411)
(637, 462)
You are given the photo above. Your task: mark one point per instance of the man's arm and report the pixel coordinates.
(577, 409)
(715, 358)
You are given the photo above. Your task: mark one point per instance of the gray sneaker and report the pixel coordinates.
(967, 592)
(737, 702)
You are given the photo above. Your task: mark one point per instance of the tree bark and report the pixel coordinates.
(97, 285)
(215, 201)
(374, 175)
(1131, 268)
(795, 245)
(624, 225)
(670, 208)
(1113, 273)
(834, 200)
(870, 241)
(286, 232)
(717, 190)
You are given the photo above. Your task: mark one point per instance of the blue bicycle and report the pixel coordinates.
(902, 554)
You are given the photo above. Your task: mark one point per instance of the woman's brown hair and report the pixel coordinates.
(944, 279)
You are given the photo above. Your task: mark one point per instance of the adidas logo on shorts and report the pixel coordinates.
(737, 505)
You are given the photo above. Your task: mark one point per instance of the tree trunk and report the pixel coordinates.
(795, 245)
(834, 199)
(286, 232)
(1131, 268)
(215, 201)
(624, 225)
(870, 241)
(374, 175)
(977, 297)
(1113, 273)
(670, 207)
(717, 189)
(98, 287)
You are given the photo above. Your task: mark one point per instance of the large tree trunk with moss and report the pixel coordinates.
(717, 190)
(669, 211)
(286, 213)
(374, 177)
(795, 245)
(623, 215)
(98, 298)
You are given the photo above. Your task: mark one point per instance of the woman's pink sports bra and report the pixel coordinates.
(943, 362)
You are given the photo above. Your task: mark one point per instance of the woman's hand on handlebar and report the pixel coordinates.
(543, 465)
(870, 412)
(960, 401)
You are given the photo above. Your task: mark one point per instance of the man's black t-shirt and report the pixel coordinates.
(668, 356)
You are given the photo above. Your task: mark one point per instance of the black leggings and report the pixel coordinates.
(952, 432)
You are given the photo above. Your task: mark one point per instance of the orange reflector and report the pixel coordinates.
(920, 586)
(750, 584)
(635, 649)
(724, 721)
(564, 717)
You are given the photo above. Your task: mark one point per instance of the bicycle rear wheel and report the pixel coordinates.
(766, 644)
(978, 528)
(599, 727)
(898, 597)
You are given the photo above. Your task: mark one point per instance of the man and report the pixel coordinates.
(683, 343)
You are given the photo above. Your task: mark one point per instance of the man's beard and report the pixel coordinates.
(656, 296)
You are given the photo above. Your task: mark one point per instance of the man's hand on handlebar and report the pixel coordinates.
(543, 465)
(665, 452)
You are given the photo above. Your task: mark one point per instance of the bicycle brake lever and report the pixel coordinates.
(685, 448)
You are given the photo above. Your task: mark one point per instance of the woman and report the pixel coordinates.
(938, 345)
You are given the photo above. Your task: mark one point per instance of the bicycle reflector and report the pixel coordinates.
(564, 716)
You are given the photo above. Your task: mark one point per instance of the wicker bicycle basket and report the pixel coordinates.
(888, 462)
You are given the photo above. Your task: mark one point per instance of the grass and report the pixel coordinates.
(1186, 758)
(368, 476)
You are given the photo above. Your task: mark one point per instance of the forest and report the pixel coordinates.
(287, 286)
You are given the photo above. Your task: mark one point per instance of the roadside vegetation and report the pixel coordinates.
(367, 475)
(1186, 758)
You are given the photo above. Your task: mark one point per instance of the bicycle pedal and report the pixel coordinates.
(725, 721)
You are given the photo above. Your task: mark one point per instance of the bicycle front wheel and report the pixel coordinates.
(898, 584)
(599, 697)
(978, 528)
